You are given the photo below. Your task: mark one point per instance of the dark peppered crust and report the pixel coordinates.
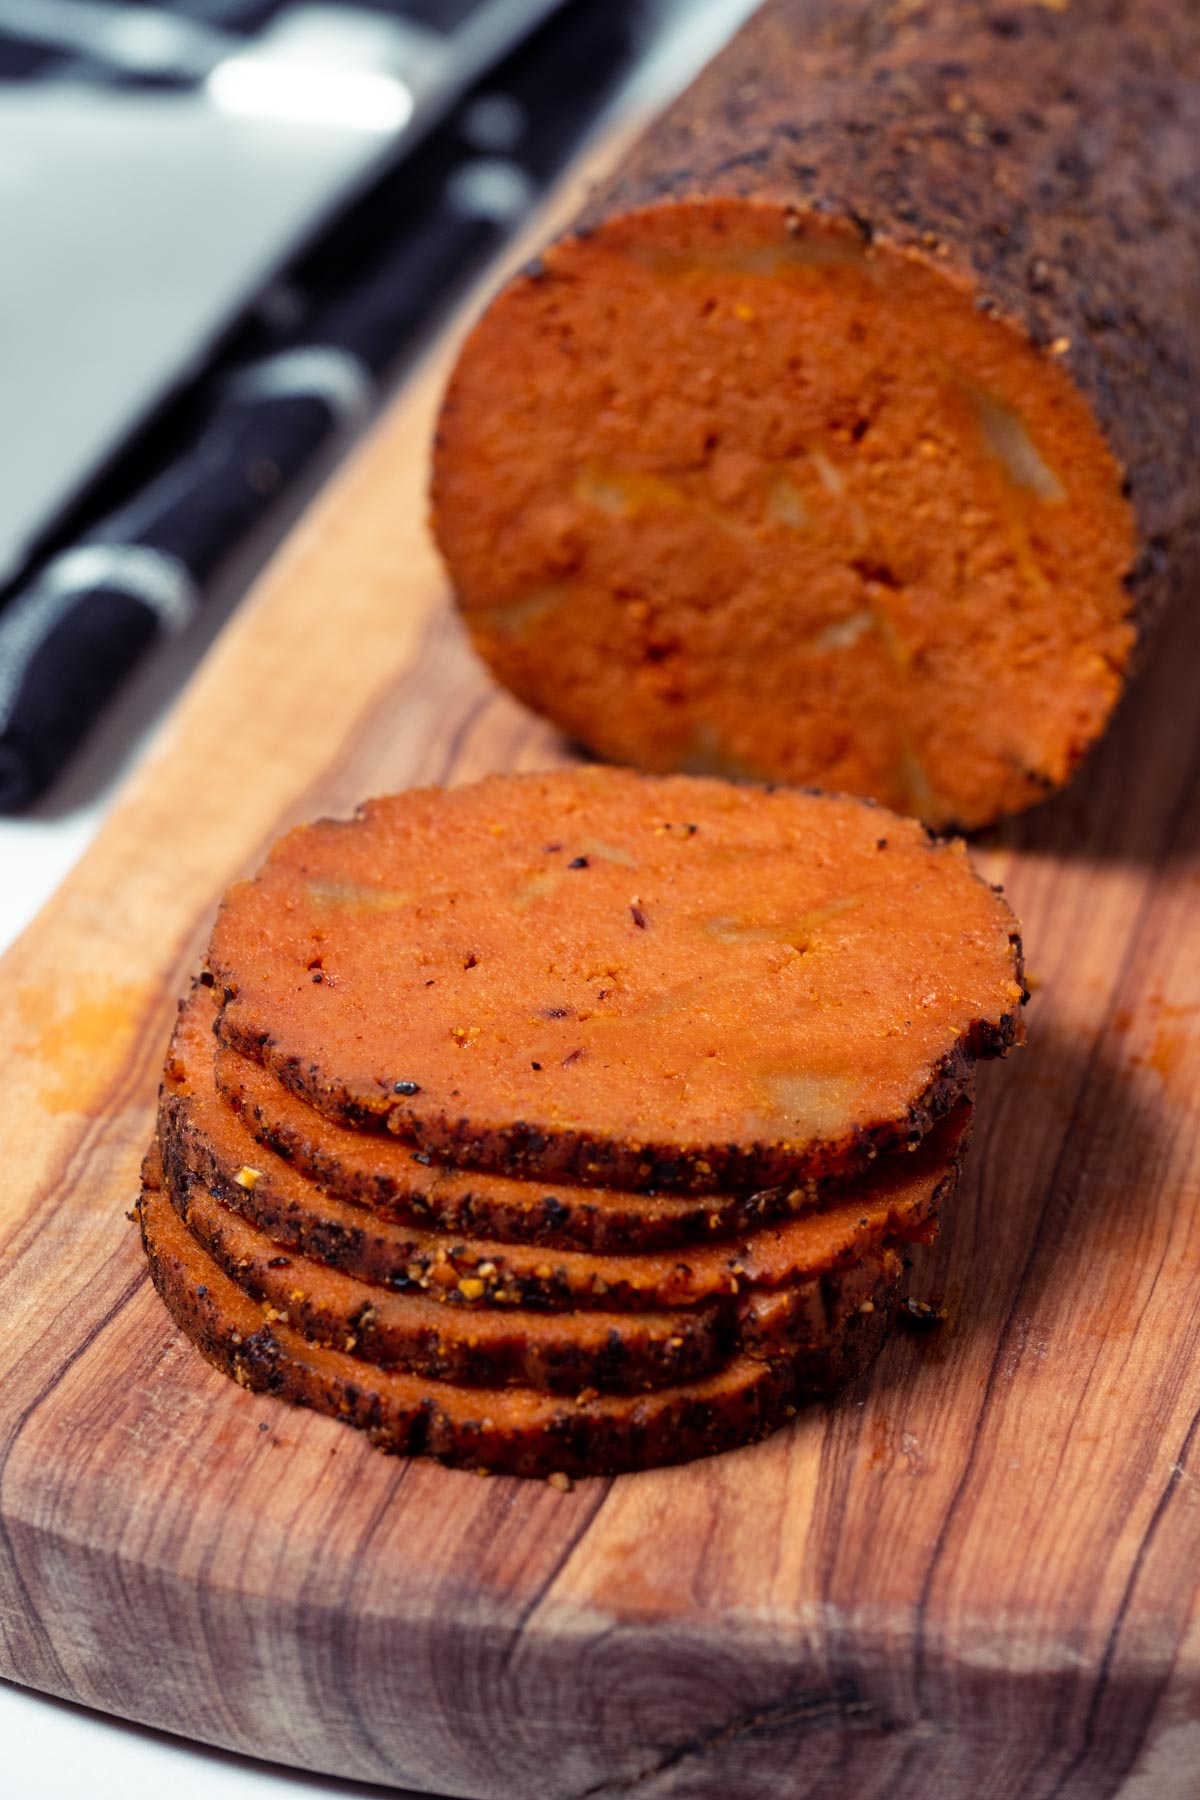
(571, 1218)
(300, 1218)
(1047, 157)
(532, 1154)
(514, 1432)
(562, 1353)
(557, 1353)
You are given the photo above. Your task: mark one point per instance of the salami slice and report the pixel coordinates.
(555, 1352)
(378, 1170)
(514, 1430)
(648, 983)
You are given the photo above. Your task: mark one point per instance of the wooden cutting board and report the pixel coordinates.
(974, 1575)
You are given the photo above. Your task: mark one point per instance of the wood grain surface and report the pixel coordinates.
(974, 1575)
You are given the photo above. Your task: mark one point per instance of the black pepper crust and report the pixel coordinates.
(519, 1433)
(609, 1223)
(1046, 157)
(530, 1153)
(434, 1266)
(550, 1352)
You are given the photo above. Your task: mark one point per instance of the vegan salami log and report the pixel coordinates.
(852, 436)
(515, 1430)
(652, 983)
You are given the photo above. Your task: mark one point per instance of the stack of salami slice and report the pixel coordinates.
(575, 1122)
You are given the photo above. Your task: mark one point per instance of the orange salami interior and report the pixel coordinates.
(722, 489)
(653, 983)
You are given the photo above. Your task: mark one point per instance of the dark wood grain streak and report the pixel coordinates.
(1077, 1133)
(975, 1575)
(1094, 1722)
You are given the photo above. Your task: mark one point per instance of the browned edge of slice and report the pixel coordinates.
(553, 1352)
(511, 1431)
(528, 1152)
(899, 1201)
(231, 1100)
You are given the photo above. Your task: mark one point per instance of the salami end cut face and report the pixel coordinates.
(850, 437)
